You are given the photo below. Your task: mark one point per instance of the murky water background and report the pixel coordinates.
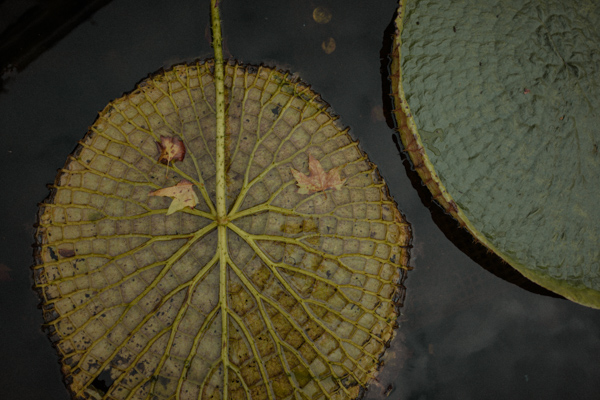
(464, 332)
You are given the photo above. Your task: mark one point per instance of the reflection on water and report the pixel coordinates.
(464, 332)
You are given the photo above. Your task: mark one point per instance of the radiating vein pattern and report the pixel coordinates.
(293, 296)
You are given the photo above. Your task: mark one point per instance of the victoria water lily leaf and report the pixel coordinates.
(318, 180)
(290, 295)
(497, 105)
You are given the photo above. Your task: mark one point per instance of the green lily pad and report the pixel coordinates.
(496, 103)
(290, 295)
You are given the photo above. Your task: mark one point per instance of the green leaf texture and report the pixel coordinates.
(295, 299)
(497, 104)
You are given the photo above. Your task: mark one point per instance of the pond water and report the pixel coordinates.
(465, 333)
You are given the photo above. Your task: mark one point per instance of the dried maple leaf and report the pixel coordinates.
(183, 196)
(317, 179)
(171, 149)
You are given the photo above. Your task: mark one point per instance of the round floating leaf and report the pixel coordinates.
(496, 103)
(291, 295)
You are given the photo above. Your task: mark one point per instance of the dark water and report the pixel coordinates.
(464, 333)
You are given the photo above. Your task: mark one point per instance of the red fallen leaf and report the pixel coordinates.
(317, 179)
(183, 196)
(171, 149)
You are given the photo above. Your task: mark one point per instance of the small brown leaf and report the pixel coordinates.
(322, 15)
(183, 196)
(66, 253)
(328, 45)
(171, 149)
(317, 179)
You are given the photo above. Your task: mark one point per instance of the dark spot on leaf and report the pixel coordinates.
(103, 382)
(164, 381)
(52, 254)
(69, 361)
(141, 366)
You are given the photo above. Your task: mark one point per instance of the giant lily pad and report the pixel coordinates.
(496, 103)
(289, 295)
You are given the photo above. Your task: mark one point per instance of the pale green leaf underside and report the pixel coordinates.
(136, 301)
(504, 95)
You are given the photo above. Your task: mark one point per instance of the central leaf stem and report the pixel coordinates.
(221, 184)
(221, 188)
